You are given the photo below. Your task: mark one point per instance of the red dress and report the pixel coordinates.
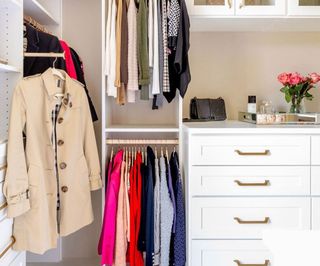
(135, 256)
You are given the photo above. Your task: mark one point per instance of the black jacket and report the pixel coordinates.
(40, 42)
(179, 70)
(80, 77)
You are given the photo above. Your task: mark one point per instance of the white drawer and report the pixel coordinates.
(315, 180)
(315, 150)
(228, 253)
(245, 218)
(250, 180)
(250, 150)
(315, 213)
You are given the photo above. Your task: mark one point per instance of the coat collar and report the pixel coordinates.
(50, 86)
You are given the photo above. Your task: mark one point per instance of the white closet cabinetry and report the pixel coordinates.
(11, 66)
(304, 7)
(242, 179)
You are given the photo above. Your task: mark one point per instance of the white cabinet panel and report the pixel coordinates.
(315, 150)
(250, 180)
(245, 218)
(250, 150)
(260, 7)
(225, 253)
(316, 214)
(304, 7)
(315, 180)
(210, 7)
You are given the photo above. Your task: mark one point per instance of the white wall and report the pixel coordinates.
(235, 65)
(82, 30)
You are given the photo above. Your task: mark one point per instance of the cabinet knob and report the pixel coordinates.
(263, 184)
(264, 153)
(242, 4)
(240, 221)
(266, 263)
(230, 3)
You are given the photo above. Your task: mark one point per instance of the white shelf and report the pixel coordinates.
(10, 4)
(8, 68)
(142, 128)
(37, 11)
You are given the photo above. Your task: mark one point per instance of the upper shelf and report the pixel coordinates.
(37, 11)
(8, 68)
(10, 4)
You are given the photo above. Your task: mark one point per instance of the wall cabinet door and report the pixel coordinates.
(260, 7)
(211, 7)
(304, 7)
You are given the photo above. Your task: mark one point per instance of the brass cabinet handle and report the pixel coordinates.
(264, 184)
(266, 263)
(3, 167)
(3, 206)
(242, 4)
(240, 221)
(13, 240)
(230, 3)
(264, 153)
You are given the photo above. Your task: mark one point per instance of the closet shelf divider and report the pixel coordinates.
(9, 68)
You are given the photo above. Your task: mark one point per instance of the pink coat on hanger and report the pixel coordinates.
(69, 62)
(107, 239)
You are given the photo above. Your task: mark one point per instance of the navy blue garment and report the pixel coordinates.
(178, 255)
(150, 207)
(142, 230)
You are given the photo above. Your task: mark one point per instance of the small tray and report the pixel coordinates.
(280, 118)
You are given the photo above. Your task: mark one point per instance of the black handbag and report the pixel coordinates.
(207, 110)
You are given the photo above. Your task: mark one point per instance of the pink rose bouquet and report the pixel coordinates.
(296, 87)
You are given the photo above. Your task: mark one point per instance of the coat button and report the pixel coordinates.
(60, 142)
(64, 189)
(60, 120)
(63, 165)
(70, 105)
(65, 101)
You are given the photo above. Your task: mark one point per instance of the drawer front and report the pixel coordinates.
(315, 180)
(230, 253)
(315, 213)
(250, 150)
(246, 218)
(315, 150)
(250, 180)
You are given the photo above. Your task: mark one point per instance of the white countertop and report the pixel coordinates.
(234, 126)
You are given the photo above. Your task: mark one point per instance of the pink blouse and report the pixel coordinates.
(107, 238)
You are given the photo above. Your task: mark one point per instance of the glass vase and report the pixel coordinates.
(297, 106)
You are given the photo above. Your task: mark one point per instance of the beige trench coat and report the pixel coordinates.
(31, 184)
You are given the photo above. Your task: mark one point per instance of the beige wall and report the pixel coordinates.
(82, 31)
(235, 65)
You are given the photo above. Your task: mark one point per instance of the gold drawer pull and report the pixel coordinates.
(264, 153)
(266, 263)
(3, 167)
(264, 184)
(13, 240)
(3, 206)
(230, 3)
(240, 221)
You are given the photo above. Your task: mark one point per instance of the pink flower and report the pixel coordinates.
(284, 78)
(315, 78)
(295, 78)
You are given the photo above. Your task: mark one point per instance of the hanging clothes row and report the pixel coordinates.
(147, 44)
(144, 212)
(38, 40)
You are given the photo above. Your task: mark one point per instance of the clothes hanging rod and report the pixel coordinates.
(143, 141)
(54, 55)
